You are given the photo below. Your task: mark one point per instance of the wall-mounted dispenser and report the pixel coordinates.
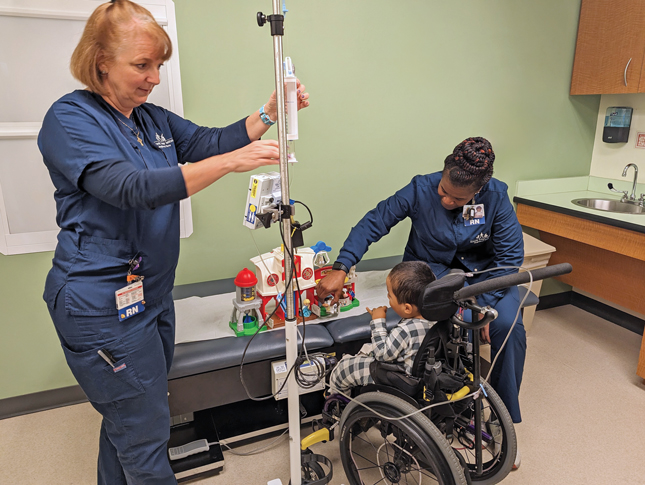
(617, 122)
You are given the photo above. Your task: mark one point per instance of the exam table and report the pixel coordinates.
(207, 398)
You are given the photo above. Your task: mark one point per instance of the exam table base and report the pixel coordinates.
(235, 424)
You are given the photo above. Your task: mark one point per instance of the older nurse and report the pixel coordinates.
(114, 160)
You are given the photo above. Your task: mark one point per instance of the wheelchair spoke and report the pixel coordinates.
(427, 469)
(406, 464)
(387, 451)
(375, 465)
(369, 442)
(498, 438)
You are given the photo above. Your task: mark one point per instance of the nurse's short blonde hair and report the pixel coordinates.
(106, 33)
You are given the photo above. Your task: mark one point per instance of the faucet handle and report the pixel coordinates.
(610, 186)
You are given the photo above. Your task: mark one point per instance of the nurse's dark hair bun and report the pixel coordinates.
(471, 163)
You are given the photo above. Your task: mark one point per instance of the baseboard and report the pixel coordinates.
(555, 300)
(41, 401)
(602, 310)
(595, 307)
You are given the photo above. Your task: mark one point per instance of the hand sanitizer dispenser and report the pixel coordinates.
(617, 122)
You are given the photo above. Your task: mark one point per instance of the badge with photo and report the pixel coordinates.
(474, 214)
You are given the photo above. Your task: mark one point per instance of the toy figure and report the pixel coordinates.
(306, 312)
(329, 309)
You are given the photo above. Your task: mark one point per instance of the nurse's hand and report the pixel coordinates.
(484, 334)
(271, 106)
(303, 96)
(256, 154)
(332, 284)
(198, 176)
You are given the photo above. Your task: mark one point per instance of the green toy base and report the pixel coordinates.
(353, 304)
(249, 328)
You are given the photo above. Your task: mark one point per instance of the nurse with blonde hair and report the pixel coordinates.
(120, 166)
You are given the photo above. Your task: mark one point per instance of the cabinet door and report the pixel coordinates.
(610, 47)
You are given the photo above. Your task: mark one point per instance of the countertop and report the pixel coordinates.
(556, 195)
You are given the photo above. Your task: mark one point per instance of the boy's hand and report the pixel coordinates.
(380, 312)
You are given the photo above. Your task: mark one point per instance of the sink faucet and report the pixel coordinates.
(633, 194)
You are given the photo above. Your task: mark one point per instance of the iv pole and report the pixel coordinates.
(290, 325)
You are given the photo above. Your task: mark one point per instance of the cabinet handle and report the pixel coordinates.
(625, 73)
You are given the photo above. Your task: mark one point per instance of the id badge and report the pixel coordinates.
(474, 215)
(129, 300)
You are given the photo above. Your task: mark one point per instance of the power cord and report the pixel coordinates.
(299, 360)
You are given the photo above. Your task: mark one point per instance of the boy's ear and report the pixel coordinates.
(409, 309)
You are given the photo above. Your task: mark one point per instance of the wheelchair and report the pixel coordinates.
(464, 434)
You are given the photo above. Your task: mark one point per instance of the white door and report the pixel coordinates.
(37, 38)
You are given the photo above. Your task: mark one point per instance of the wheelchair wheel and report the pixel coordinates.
(387, 450)
(499, 442)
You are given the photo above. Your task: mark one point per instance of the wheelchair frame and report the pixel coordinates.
(440, 302)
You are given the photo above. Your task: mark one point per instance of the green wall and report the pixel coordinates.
(394, 87)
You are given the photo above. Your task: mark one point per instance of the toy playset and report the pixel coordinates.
(259, 296)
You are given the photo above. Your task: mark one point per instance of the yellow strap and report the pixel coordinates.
(459, 394)
(315, 437)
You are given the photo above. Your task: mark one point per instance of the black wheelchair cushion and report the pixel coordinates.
(389, 374)
(437, 302)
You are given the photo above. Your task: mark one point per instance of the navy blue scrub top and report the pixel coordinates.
(117, 199)
(439, 237)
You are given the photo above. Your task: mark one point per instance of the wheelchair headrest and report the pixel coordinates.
(437, 302)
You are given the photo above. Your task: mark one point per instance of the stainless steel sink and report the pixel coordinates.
(610, 205)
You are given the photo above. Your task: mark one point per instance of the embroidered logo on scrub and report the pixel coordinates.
(162, 142)
(480, 238)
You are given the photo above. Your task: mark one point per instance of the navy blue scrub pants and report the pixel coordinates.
(509, 368)
(132, 396)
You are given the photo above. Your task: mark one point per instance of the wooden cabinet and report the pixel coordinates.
(607, 261)
(610, 48)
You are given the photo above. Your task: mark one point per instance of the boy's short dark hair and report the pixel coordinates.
(408, 280)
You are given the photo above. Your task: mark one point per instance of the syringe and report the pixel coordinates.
(291, 88)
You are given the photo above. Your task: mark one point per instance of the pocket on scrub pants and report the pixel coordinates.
(101, 382)
(100, 268)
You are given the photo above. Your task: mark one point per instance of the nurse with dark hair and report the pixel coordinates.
(443, 238)
(120, 166)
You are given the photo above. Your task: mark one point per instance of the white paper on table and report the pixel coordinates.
(207, 318)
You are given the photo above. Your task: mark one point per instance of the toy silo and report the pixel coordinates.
(245, 282)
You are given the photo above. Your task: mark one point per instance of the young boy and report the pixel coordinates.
(405, 285)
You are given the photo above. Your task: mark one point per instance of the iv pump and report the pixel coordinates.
(291, 101)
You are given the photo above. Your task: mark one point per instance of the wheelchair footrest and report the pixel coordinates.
(311, 465)
(322, 434)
